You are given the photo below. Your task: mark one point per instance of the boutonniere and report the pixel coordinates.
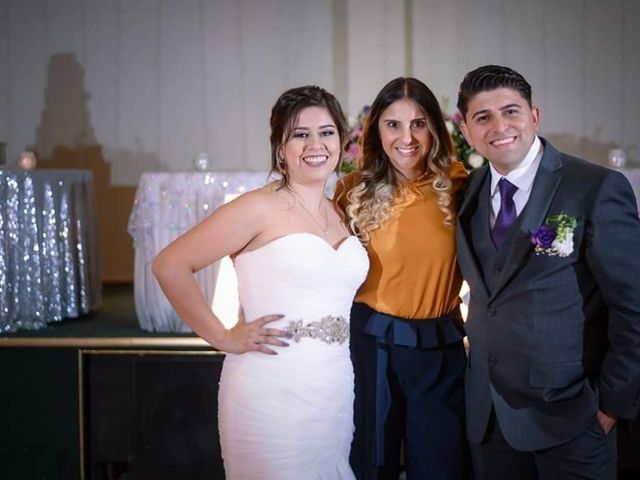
(555, 237)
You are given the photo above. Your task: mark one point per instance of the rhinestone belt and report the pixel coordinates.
(328, 329)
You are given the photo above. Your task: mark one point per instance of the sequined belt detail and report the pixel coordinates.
(328, 329)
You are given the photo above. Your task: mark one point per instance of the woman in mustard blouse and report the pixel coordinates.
(406, 328)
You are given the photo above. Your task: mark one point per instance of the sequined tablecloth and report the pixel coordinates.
(166, 205)
(49, 266)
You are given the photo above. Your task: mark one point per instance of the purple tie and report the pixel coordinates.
(506, 214)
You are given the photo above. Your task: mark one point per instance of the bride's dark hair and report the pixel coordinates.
(285, 113)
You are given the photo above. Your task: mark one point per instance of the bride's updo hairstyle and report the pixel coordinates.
(371, 199)
(284, 116)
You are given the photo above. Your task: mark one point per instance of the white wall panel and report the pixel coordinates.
(604, 75)
(155, 81)
(563, 111)
(5, 90)
(102, 69)
(435, 48)
(305, 33)
(630, 108)
(182, 129)
(376, 48)
(481, 27)
(65, 118)
(524, 42)
(222, 86)
(63, 27)
(285, 43)
(27, 69)
(264, 65)
(138, 89)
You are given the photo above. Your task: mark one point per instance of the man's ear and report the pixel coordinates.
(535, 111)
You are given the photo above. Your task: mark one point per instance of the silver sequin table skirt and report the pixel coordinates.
(48, 255)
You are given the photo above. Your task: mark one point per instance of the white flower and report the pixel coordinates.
(563, 247)
(449, 125)
(475, 160)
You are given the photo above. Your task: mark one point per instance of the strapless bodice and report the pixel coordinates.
(301, 276)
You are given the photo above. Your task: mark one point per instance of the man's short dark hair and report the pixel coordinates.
(490, 77)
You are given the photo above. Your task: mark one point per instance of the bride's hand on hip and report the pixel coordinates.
(254, 336)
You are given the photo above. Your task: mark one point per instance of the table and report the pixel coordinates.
(49, 267)
(166, 205)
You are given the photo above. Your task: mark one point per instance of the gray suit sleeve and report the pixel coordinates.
(613, 256)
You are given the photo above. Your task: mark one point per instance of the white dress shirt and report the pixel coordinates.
(522, 177)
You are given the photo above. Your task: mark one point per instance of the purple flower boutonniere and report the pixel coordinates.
(555, 237)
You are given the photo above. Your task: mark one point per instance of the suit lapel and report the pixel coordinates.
(534, 214)
(466, 254)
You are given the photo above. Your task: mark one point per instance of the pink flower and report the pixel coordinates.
(353, 151)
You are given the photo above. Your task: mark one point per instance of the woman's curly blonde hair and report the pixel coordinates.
(371, 200)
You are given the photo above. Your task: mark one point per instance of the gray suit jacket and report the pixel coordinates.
(553, 339)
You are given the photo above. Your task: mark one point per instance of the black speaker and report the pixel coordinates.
(152, 416)
(628, 451)
(39, 414)
(29, 463)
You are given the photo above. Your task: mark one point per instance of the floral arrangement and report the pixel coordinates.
(555, 237)
(352, 148)
(465, 152)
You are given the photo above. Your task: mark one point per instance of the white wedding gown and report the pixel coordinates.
(289, 416)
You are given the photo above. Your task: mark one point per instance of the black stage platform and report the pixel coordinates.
(98, 398)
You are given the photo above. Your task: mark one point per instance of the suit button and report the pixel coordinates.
(492, 360)
(497, 268)
(491, 311)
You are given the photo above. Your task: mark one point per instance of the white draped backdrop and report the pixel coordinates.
(156, 81)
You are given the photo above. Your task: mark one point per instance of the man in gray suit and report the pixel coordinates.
(550, 247)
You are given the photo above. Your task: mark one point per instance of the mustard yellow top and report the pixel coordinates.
(413, 271)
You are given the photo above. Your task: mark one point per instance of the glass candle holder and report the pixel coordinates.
(201, 162)
(617, 158)
(27, 160)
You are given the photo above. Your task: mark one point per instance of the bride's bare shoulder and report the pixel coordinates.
(263, 201)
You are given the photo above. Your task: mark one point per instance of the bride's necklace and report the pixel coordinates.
(325, 229)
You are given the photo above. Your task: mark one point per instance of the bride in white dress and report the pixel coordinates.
(286, 390)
